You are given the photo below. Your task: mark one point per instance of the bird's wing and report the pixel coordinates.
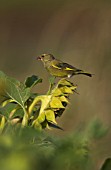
(62, 66)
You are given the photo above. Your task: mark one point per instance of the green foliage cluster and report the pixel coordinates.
(30, 149)
(23, 115)
(20, 106)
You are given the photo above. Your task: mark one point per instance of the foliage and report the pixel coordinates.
(20, 106)
(29, 148)
(23, 115)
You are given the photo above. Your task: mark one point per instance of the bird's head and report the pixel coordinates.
(46, 57)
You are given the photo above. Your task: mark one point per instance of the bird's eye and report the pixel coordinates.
(42, 56)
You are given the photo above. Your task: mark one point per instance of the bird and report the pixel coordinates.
(58, 68)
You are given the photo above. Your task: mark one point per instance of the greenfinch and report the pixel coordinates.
(57, 68)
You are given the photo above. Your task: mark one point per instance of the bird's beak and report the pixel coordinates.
(39, 58)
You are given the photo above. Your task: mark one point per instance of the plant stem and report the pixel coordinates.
(51, 81)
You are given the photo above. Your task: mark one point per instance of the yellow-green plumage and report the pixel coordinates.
(58, 68)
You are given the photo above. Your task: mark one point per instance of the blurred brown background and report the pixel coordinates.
(77, 32)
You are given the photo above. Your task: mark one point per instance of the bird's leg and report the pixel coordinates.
(51, 81)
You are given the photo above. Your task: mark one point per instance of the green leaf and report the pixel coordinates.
(17, 92)
(6, 111)
(14, 90)
(32, 81)
(3, 86)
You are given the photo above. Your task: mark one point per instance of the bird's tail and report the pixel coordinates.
(85, 73)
